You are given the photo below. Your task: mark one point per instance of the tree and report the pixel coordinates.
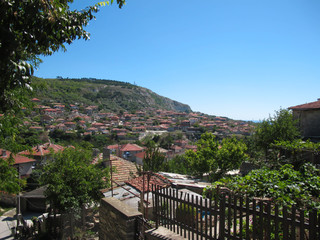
(216, 158)
(178, 164)
(153, 160)
(230, 155)
(32, 28)
(9, 179)
(202, 160)
(280, 127)
(72, 181)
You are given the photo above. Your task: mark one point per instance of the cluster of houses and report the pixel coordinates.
(127, 185)
(124, 158)
(129, 126)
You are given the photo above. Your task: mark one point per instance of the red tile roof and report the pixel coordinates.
(175, 147)
(69, 123)
(18, 159)
(113, 146)
(156, 179)
(312, 105)
(130, 147)
(124, 170)
(42, 150)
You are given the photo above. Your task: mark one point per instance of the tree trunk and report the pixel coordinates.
(83, 216)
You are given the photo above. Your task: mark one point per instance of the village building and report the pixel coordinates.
(308, 118)
(42, 152)
(23, 164)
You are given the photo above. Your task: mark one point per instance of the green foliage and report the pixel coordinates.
(29, 29)
(76, 139)
(153, 160)
(255, 153)
(186, 214)
(294, 152)
(298, 145)
(107, 94)
(9, 132)
(285, 186)
(216, 158)
(203, 160)
(13, 135)
(230, 155)
(72, 181)
(9, 179)
(178, 164)
(61, 136)
(280, 127)
(33, 28)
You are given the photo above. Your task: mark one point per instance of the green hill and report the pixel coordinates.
(107, 94)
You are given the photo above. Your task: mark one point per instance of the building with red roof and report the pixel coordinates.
(139, 157)
(127, 151)
(22, 163)
(141, 183)
(35, 100)
(41, 152)
(308, 117)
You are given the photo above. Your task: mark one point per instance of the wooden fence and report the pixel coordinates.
(231, 216)
(142, 226)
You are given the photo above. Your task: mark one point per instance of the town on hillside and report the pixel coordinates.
(130, 126)
(155, 166)
(88, 158)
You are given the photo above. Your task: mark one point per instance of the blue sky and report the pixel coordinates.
(242, 59)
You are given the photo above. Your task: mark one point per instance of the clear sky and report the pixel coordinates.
(241, 59)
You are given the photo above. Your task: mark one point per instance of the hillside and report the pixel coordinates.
(107, 94)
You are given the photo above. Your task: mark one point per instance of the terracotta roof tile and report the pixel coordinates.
(42, 150)
(155, 179)
(18, 159)
(125, 170)
(312, 105)
(131, 147)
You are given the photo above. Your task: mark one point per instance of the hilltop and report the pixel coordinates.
(106, 94)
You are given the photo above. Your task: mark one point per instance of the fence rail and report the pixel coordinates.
(231, 216)
(142, 226)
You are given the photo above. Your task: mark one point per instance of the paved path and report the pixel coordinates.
(7, 221)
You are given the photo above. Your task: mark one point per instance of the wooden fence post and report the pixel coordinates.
(313, 224)
(222, 216)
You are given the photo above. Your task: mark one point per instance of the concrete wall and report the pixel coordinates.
(308, 122)
(117, 220)
(25, 168)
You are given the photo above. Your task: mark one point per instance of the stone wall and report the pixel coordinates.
(308, 121)
(117, 220)
(9, 200)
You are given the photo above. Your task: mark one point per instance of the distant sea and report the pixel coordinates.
(255, 121)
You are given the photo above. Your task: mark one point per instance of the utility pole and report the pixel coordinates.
(18, 210)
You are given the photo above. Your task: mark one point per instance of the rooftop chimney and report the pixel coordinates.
(106, 157)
